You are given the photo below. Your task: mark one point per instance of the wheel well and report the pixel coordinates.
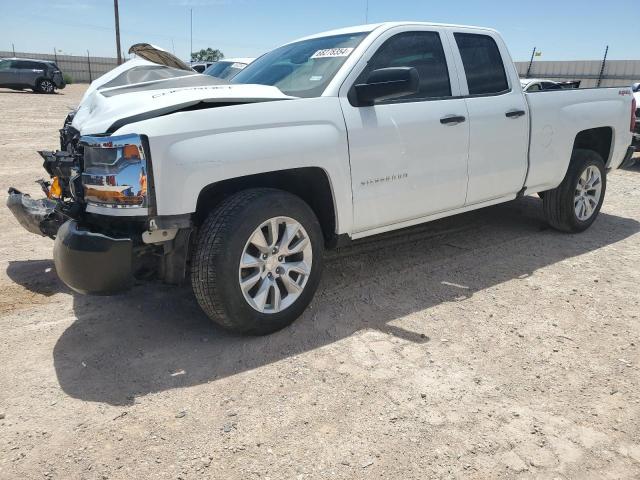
(310, 183)
(597, 139)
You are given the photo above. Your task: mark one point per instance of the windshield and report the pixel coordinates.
(302, 69)
(225, 70)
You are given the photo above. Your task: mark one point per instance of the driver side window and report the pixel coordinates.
(420, 50)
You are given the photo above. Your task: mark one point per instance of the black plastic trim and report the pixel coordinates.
(92, 263)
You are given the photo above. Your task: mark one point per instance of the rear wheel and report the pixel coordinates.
(46, 86)
(258, 261)
(575, 204)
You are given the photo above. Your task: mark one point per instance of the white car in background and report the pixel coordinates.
(228, 68)
(538, 84)
(200, 67)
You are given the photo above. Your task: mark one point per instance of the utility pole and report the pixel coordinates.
(191, 51)
(13, 47)
(533, 54)
(55, 54)
(115, 9)
(366, 12)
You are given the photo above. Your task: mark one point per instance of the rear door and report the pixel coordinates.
(498, 113)
(408, 159)
(29, 72)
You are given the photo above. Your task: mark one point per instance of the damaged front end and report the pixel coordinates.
(45, 216)
(99, 210)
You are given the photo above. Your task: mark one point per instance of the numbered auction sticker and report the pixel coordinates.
(332, 52)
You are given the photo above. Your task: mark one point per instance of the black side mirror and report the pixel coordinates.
(386, 84)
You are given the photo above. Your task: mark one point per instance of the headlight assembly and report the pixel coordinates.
(115, 174)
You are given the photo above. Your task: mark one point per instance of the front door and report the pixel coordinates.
(409, 155)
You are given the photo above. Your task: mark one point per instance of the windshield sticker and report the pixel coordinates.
(332, 52)
(315, 78)
(239, 66)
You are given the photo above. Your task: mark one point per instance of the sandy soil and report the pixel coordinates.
(483, 346)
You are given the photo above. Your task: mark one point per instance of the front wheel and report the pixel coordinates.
(258, 261)
(575, 204)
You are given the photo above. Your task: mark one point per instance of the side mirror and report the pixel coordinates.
(387, 83)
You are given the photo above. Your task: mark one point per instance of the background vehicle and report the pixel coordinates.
(22, 73)
(228, 68)
(200, 67)
(535, 84)
(336, 136)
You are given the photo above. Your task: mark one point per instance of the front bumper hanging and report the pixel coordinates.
(91, 262)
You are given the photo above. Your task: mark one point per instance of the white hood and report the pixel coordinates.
(107, 110)
(111, 74)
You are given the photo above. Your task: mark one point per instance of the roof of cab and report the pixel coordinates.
(385, 26)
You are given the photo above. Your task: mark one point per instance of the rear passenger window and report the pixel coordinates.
(421, 50)
(27, 65)
(482, 64)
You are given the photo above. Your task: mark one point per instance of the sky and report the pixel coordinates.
(560, 29)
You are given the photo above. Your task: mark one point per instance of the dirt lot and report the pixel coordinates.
(483, 346)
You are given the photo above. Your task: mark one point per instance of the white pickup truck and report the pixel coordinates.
(333, 137)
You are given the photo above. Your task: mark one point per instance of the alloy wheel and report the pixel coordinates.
(275, 265)
(588, 193)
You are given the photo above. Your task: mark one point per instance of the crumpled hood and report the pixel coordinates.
(106, 111)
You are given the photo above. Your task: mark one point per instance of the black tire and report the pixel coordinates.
(45, 85)
(558, 204)
(220, 244)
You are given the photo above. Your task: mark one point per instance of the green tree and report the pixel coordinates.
(207, 55)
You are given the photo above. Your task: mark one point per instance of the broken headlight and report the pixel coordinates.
(115, 174)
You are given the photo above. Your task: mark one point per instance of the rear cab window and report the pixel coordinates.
(483, 65)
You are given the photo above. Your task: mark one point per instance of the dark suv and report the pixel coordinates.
(40, 75)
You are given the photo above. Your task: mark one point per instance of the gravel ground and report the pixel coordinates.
(482, 346)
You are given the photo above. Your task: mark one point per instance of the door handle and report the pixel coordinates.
(452, 119)
(515, 113)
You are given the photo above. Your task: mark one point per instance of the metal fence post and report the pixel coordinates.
(89, 64)
(533, 54)
(604, 63)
